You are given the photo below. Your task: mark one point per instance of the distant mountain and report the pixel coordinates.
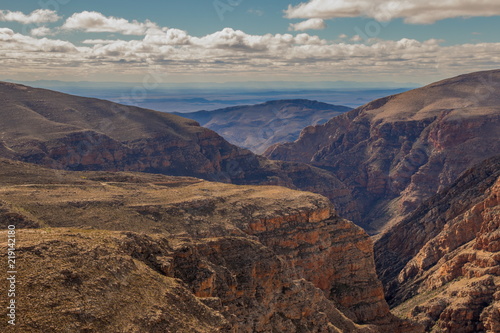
(264, 85)
(440, 265)
(257, 127)
(76, 133)
(395, 152)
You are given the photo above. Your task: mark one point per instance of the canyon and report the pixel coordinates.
(182, 231)
(75, 133)
(133, 252)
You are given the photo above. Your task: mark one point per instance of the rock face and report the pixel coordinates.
(397, 151)
(75, 133)
(226, 258)
(256, 127)
(441, 264)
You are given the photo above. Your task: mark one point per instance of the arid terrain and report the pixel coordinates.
(440, 264)
(75, 133)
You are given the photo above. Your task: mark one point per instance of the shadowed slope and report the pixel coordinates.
(440, 265)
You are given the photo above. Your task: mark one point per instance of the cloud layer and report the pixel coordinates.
(413, 11)
(228, 52)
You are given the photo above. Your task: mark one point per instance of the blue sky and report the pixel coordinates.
(350, 40)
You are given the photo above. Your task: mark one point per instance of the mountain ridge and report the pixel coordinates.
(76, 133)
(256, 127)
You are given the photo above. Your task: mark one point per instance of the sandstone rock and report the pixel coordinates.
(463, 213)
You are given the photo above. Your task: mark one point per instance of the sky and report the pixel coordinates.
(247, 40)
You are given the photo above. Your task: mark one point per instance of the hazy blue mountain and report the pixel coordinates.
(257, 127)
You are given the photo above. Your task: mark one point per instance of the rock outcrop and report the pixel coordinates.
(441, 264)
(395, 152)
(226, 258)
(256, 127)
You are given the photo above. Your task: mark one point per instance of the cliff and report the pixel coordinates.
(192, 255)
(395, 152)
(440, 264)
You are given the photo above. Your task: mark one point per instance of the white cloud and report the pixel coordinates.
(41, 31)
(98, 41)
(413, 11)
(356, 38)
(11, 41)
(311, 24)
(97, 22)
(37, 16)
(343, 36)
(167, 36)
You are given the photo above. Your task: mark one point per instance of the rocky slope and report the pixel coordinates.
(256, 127)
(397, 151)
(441, 264)
(220, 258)
(75, 133)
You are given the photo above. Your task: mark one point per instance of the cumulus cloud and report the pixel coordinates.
(37, 16)
(99, 41)
(166, 36)
(311, 24)
(41, 31)
(97, 22)
(11, 41)
(413, 11)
